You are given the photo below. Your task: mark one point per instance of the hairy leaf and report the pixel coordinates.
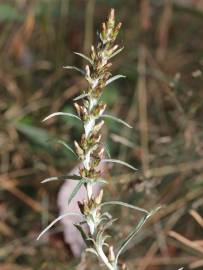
(119, 162)
(62, 177)
(84, 57)
(60, 113)
(125, 242)
(77, 187)
(114, 78)
(138, 227)
(116, 52)
(75, 68)
(83, 234)
(126, 205)
(101, 180)
(116, 119)
(108, 225)
(66, 146)
(91, 250)
(81, 97)
(55, 221)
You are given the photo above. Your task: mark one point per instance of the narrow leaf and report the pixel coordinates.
(62, 177)
(100, 180)
(55, 221)
(119, 162)
(83, 233)
(75, 68)
(125, 242)
(126, 205)
(60, 113)
(116, 52)
(153, 211)
(66, 146)
(81, 97)
(91, 250)
(84, 57)
(116, 119)
(114, 78)
(109, 224)
(75, 190)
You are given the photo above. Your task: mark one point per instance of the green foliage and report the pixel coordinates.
(36, 134)
(10, 13)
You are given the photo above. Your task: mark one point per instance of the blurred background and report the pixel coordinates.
(162, 98)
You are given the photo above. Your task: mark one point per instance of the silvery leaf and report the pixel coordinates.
(75, 68)
(114, 78)
(91, 250)
(125, 242)
(119, 162)
(84, 57)
(60, 113)
(116, 119)
(116, 52)
(66, 146)
(55, 221)
(81, 97)
(78, 186)
(126, 205)
(62, 177)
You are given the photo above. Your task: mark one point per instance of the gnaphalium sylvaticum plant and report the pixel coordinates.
(90, 151)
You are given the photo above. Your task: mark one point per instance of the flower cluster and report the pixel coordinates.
(90, 149)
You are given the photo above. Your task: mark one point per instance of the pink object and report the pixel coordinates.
(71, 234)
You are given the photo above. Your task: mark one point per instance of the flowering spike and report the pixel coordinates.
(89, 149)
